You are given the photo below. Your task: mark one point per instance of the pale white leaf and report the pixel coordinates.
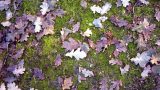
(6, 23)
(101, 10)
(125, 69)
(2, 87)
(12, 86)
(87, 33)
(44, 7)
(125, 2)
(78, 54)
(146, 71)
(8, 14)
(144, 2)
(38, 23)
(141, 59)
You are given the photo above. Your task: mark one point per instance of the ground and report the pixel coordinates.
(44, 54)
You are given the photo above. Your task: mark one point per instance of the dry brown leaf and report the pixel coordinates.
(67, 83)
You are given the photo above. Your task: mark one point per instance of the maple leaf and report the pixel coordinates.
(2, 87)
(12, 86)
(125, 69)
(38, 23)
(67, 83)
(77, 54)
(44, 7)
(97, 23)
(146, 71)
(87, 33)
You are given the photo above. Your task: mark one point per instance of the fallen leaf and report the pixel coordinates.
(58, 60)
(67, 83)
(125, 69)
(77, 54)
(146, 71)
(87, 33)
(44, 7)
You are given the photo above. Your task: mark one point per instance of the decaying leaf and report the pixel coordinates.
(116, 85)
(67, 83)
(2, 87)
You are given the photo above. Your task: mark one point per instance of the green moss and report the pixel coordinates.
(31, 6)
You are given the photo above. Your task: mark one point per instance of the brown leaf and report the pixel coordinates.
(67, 83)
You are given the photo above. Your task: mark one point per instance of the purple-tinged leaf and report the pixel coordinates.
(115, 62)
(119, 3)
(67, 83)
(156, 69)
(141, 42)
(4, 4)
(18, 54)
(8, 14)
(38, 73)
(118, 22)
(146, 71)
(125, 69)
(70, 45)
(157, 15)
(59, 12)
(24, 37)
(143, 58)
(46, 31)
(10, 79)
(64, 33)
(58, 60)
(116, 85)
(83, 4)
(76, 27)
(101, 44)
(91, 44)
(103, 84)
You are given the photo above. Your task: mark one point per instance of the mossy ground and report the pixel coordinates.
(50, 46)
